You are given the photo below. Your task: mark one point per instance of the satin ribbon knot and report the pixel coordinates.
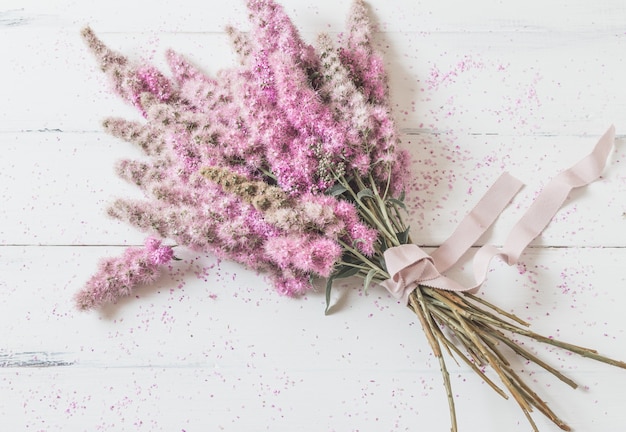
(410, 266)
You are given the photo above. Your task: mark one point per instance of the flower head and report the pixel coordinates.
(246, 164)
(117, 277)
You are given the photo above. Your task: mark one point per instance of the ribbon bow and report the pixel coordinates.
(410, 266)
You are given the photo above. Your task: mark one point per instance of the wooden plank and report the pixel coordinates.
(220, 348)
(162, 16)
(454, 83)
(253, 399)
(478, 88)
(54, 187)
(66, 180)
(202, 310)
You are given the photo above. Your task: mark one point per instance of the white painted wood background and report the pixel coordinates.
(479, 87)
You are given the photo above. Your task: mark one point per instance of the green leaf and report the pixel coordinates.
(365, 193)
(384, 244)
(398, 203)
(403, 237)
(346, 271)
(383, 264)
(329, 287)
(336, 189)
(347, 259)
(368, 279)
(342, 271)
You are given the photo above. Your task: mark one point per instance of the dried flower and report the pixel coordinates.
(117, 277)
(290, 164)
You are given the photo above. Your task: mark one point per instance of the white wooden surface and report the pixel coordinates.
(479, 87)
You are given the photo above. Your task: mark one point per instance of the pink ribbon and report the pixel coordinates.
(410, 266)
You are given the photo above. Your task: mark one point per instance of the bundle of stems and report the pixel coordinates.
(460, 324)
(256, 165)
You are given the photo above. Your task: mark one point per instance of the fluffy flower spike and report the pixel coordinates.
(117, 277)
(242, 164)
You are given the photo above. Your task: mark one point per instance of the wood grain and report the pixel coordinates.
(478, 88)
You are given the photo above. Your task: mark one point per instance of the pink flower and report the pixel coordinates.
(359, 55)
(154, 82)
(290, 283)
(152, 244)
(287, 115)
(157, 253)
(117, 277)
(162, 255)
(307, 253)
(129, 81)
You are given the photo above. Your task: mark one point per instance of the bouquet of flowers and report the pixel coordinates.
(290, 164)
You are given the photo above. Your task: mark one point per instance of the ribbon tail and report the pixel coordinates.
(476, 222)
(409, 266)
(554, 194)
(545, 206)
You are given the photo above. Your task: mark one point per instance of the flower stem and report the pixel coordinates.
(417, 303)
